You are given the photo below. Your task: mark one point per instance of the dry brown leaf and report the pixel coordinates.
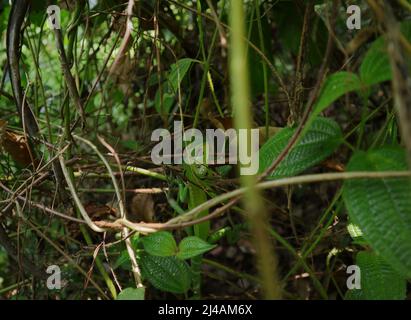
(15, 145)
(142, 208)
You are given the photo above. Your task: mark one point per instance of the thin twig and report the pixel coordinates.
(27, 265)
(77, 200)
(310, 178)
(298, 88)
(126, 38)
(187, 219)
(310, 104)
(42, 207)
(70, 82)
(69, 259)
(121, 200)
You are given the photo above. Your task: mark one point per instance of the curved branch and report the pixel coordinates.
(16, 19)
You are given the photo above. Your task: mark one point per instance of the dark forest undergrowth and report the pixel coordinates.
(87, 212)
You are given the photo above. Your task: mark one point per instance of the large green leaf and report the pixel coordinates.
(191, 247)
(160, 244)
(382, 207)
(376, 67)
(319, 142)
(335, 87)
(131, 294)
(354, 294)
(166, 273)
(379, 281)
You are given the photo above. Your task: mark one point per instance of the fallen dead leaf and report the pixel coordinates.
(15, 145)
(142, 208)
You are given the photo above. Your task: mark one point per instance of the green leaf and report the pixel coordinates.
(319, 142)
(160, 244)
(191, 247)
(335, 87)
(354, 294)
(166, 273)
(379, 281)
(178, 72)
(123, 261)
(168, 102)
(131, 294)
(376, 66)
(382, 207)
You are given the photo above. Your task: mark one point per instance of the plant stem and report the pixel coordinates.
(267, 262)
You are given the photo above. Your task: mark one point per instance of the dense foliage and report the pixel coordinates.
(79, 190)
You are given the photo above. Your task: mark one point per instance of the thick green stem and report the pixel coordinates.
(267, 262)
